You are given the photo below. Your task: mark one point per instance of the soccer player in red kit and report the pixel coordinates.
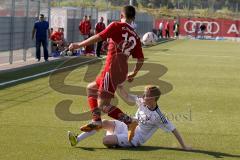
(124, 42)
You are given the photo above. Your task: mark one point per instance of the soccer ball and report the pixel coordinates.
(149, 38)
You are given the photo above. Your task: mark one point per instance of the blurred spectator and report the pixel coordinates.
(90, 49)
(65, 43)
(176, 29)
(58, 41)
(202, 29)
(40, 29)
(167, 28)
(90, 21)
(160, 31)
(89, 26)
(99, 27)
(85, 28)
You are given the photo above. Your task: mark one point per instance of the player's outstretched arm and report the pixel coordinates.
(87, 42)
(125, 95)
(123, 92)
(180, 140)
(137, 67)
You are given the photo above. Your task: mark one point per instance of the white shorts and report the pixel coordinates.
(121, 131)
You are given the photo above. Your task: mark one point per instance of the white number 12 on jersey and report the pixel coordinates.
(128, 40)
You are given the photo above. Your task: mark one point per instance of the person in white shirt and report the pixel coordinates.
(149, 117)
(160, 31)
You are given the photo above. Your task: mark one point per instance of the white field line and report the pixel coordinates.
(43, 73)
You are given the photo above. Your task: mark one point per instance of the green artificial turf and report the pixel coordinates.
(200, 85)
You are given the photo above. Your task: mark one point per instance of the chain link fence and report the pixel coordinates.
(69, 19)
(17, 19)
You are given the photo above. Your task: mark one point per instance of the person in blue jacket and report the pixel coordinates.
(42, 33)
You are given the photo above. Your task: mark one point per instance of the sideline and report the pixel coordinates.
(44, 73)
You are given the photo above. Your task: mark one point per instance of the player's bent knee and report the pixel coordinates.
(92, 89)
(92, 85)
(104, 123)
(106, 141)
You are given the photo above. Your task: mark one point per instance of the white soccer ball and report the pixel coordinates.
(149, 38)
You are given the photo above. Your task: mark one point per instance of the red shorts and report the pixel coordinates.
(107, 85)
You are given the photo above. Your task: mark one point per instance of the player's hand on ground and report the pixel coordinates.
(73, 46)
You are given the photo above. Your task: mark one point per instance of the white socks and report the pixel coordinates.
(84, 135)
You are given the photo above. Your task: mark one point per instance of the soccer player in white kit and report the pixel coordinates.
(149, 117)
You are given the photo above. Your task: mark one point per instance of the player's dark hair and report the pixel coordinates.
(129, 12)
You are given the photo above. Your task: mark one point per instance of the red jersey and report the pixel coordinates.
(85, 27)
(167, 26)
(124, 42)
(100, 26)
(56, 36)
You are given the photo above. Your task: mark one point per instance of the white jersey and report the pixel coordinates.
(149, 121)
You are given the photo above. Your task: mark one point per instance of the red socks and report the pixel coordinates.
(92, 102)
(113, 112)
(96, 112)
(117, 114)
